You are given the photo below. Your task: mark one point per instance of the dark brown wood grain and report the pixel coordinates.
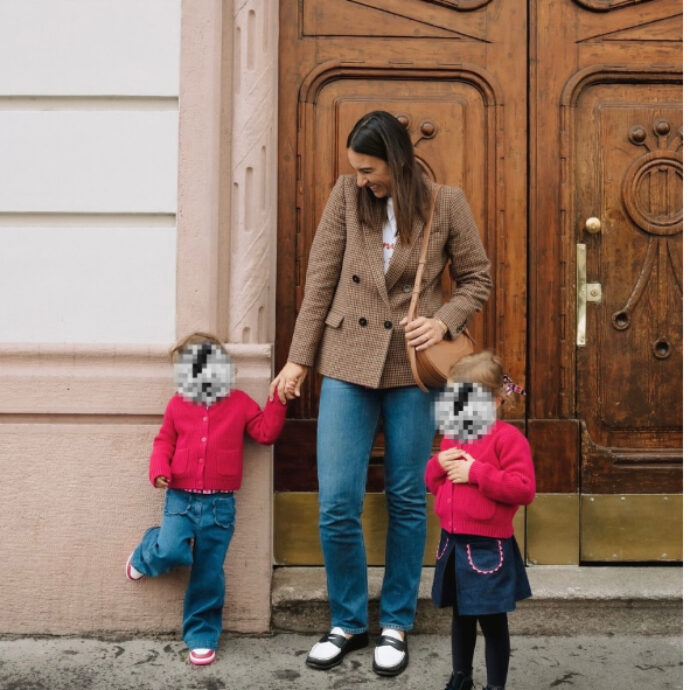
(605, 143)
(555, 450)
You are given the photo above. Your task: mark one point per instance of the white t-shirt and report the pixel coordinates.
(390, 236)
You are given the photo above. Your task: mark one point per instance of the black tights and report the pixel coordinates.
(496, 640)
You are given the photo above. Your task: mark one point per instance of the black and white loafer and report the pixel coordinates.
(391, 655)
(331, 649)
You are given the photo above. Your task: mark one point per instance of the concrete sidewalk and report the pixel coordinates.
(276, 662)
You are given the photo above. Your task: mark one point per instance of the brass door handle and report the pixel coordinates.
(593, 225)
(586, 292)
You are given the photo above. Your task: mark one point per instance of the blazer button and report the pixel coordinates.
(407, 288)
(362, 321)
(387, 324)
(355, 279)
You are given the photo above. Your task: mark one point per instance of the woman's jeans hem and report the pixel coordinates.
(348, 630)
(393, 626)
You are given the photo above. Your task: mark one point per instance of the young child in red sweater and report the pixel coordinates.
(197, 457)
(481, 475)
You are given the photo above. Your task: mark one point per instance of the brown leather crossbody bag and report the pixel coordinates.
(432, 366)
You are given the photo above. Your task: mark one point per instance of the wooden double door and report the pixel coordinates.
(561, 120)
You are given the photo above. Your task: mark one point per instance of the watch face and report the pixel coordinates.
(465, 411)
(203, 373)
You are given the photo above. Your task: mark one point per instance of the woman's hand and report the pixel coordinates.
(288, 382)
(161, 482)
(423, 332)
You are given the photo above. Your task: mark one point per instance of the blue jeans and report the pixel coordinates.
(348, 419)
(196, 530)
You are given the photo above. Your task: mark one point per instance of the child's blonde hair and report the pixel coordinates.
(196, 338)
(484, 368)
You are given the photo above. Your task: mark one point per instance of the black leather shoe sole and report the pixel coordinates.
(353, 643)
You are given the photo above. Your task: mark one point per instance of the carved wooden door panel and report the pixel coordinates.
(606, 360)
(629, 359)
(447, 69)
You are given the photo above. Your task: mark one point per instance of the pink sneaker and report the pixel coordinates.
(130, 571)
(202, 657)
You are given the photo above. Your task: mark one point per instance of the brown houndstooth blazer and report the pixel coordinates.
(348, 324)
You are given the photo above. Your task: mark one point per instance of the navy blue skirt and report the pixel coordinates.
(479, 575)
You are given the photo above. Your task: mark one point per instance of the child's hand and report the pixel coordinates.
(288, 381)
(447, 458)
(161, 482)
(459, 473)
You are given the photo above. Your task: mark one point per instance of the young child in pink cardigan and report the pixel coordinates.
(197, 458)
(481, 475)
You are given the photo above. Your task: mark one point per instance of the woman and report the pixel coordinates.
(352, 327)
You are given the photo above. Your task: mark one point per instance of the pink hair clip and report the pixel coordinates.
(511, 387)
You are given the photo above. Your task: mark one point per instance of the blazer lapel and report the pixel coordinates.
(373, 243)
(401, 255)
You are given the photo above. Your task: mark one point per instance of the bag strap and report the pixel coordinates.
(412, 312)
(414, 301)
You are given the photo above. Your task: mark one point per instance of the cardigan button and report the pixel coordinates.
(387, 324)
(203, 439)
(355, 278)
(362, 321)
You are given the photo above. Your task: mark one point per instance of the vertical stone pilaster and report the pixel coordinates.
(226, 242)
(198, 203)
(254, 160)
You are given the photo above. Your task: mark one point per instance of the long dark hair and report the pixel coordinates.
(381, 135)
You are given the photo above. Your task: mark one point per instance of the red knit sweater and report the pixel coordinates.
(501, 479)
(200, 447)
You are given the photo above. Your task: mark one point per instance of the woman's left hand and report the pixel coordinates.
(423, 332)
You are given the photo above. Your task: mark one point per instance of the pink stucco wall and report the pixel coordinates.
(77, 495)
(77, 422)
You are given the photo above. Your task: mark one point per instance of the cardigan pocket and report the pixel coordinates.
(334, 319)
(229, 464)
(473, 504)
(180, 462)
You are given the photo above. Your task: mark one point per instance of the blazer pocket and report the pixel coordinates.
(334, 319)
(180, 462)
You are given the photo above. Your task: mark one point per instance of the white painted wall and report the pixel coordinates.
(88, 170)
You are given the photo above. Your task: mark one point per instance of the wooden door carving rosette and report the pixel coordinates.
(622, 141)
